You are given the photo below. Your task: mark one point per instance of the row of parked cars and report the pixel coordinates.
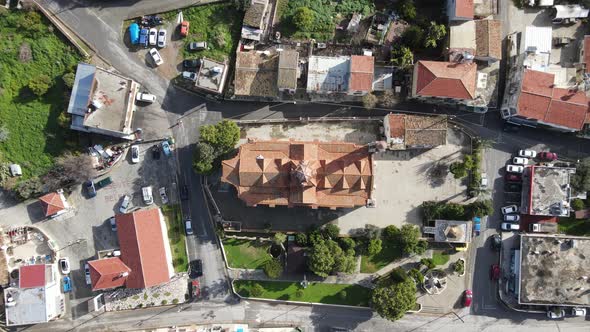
(524, 157)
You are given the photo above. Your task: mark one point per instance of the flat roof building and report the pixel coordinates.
(405, 131)
(554, 270)
(256, 74)
(547, 191)
(451, 231)
(288, 71)
(211, 76)
(328, 74)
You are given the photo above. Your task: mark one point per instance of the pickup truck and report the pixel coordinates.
(103, 183)
(544, 227)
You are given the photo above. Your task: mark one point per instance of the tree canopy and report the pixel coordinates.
(304, 18)
(581, 180)
(215, 141)
(392, 301)
(435, 33)
(326, 257)
(273, 268)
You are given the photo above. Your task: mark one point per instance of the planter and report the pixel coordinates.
(463, 260)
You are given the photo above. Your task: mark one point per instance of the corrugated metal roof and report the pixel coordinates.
(537, 39)
(570, 11)
(82, 89)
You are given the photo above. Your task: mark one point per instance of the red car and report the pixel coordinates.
(548, 156)
(184, 28)
(513, 177)
(495, 272)
(467, 296)
(195, 289)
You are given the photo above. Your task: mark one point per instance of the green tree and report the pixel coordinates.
(581, 180)
(375, 246)
(401, 56)
(256, 290)
(304, 18)
(321, 259)
(391, 233)
(578, 204)
(344, 261)
(223, 136)
(409, 238)
(479, 209)
(428, 262)
(436, 32)
(459, 266)
(332, 231)
(458, 169)
(273, 268)
(40, 84)
(398, 275)
(29, 188)
(413, 37)
(203, 158)
(421, 247)
(69, 79)
(370, 101)
(301, 239)
(279, 238)
(347, 243)
(406, 9)
(416, 275)
(394, 300)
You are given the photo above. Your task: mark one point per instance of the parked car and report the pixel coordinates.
(87, 273)
(195, 289)
(113, 223)
(166, 148)
(555, 313)
(197, 46)
(547, 156)
(153, 36)
(64, 265)
(189, 75)
(512, 187)
(162, 38)
(520, 161)
(184, 28)
(146, 192)
(67, 284)
(496, 242)
(578, 312)
(527, 153)
(184, 192)
(512, 217)
(484, 180)
(507, 226)
(145, 97)
(144, 37)
(515, 168)
(103, 183)
(195, 269)
(467, 297)
(134, 33)
(513, 177)
(163, 195)
(509, 209)
(495, 272)
(124, 204)
(156, 57)
(188, 225)
(156, 152)
(90, 189)
(190, 64)
(134, 154)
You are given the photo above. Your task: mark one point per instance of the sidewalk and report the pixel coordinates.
(363, 279)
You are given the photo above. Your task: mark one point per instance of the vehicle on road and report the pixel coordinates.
(184, 28)
(134, 154)
(578, 312)
(166, 148)
(512, 187)
(144, 37)
(467, 297)
(555, 313)
(477, 225)
(520, 161)
(67, 284)
(527, 153)
(124, 204)
(162, 38)
(496, 242)
(146, 192)
(134, 33)
(197, 46)
(513, 177)
(156, 57)
(90, 189)
(145, 97)
(191, 64)
(507, 226)
(495, 272)
(547, 156)
(184, 192)
(113, 223)
(87, 274)
(188, 226)
(189, 75)
(156, 152)
(515, 168)
(64, 265)
(195, 268)
(163, 195)
(195, 289)
(511, 217)
(103, 183)
(153, 38)
(484, 180)
(509, 209)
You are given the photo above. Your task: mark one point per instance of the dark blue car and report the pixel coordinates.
(143, 37)
(90, 189)
(134, 33)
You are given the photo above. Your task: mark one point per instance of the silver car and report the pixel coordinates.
(124, 204)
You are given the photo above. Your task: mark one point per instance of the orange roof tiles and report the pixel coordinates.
(361, 73)
(540, 100)
(446, 79)
(301, 174)
(31, 276)
(587, 52)
(464, 8)
(488, 36)
(52, 203)
(108, 273)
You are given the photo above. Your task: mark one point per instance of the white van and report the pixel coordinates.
(148, 199)
(145, 97)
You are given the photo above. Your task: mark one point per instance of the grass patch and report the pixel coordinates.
(354, 295)
(36, 136)
(440, 258)
(246, 254)
(572, 226)
(373, 263)
(177, 237)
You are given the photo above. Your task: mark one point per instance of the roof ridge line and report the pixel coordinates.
(138, 249)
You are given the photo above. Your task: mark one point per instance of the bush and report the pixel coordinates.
(164, 302)
(413, 37)
(421, 247)
(391, 233)
(578, 204)
(398, 275)
(428, 262)
(347, 243)
(332, 231)
(458, 169)
(343, 295)
(175, 301)
(370, 101)
(301, 239)
(256, 290)
(299, 293)
(69, 79)
(416, 275)
(40, 84)
(459, 266)
(273, 268)
(374, 247)
(406, 9)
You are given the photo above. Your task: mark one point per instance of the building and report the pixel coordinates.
(552, 270)
(54, 204)
(547, 191)
(211, 76)
(146, 259)
(481, 39)
(38, 298)
(538, 40)
(254, 24)
(288, 71)
(405, 131)
(102, 102)
(585, 54)
(256, 74)
(444, 80)
(361, 74)
(292, 173)
(450, 231)
(460, 10)
(327, 75)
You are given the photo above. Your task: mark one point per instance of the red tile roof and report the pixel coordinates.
(143, 248)
(31, 276)
(446, 79)
(464, 8)
(397, 125)
(108, 273)
(361, 73)
(540, 100)
(52, 203)
(587, 53)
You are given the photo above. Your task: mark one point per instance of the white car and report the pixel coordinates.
(509, 209)
(153, 36)
(64, 265)
(484, 180)
(156, 56)
(189, 227)
(527, 153)
(511, 217)
(189, 75)
(87, 274)
(520, 161)
(515, 168)
(555, 313)
(162, 38)
(134, 154)
(579, 312)
(163, 195)
(145, 97)
(507, 226)
(124, 204)
(148, 199)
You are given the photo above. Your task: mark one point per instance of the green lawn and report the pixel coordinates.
(440, 258)
(246, 254)
(371, 264)
(35, 136)
(572, 226)
(354, 295)
(177, 237)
